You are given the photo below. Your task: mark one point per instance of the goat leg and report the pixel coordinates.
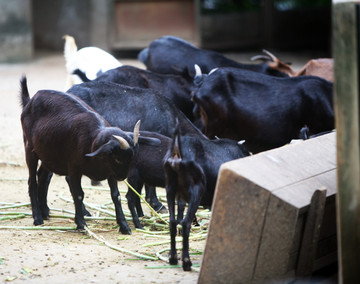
(196, 192)
(32, 162)
(78, 197)
(134, 201)
(83, 208)
(173, 257)
(170, 196)
(138, 207)
(151, 198)
(120, 218)
(131, 199)
(181, 208)
(44, 177)
(85, 212)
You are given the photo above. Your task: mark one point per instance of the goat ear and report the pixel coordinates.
(103, 149)
(150, 141)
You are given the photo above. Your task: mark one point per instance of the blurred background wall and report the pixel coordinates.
(27, 26)
(16, 40)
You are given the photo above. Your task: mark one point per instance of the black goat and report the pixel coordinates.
(265, 111)
(173, 55)
(177, 88)
(191, 168)
(156, 113)
(71, 139)
(146, 169)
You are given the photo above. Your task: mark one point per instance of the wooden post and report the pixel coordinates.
(346, 96)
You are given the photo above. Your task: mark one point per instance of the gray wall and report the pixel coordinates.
(16, 40)
(89, 21)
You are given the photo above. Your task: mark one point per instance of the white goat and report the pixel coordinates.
(91, 61)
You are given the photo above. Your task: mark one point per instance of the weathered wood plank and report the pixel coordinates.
(255, 224)
(272, 261)
(311, 234)
(299, 194)
(235, 230)
(289, 164)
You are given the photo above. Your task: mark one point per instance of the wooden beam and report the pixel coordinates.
(346, 95)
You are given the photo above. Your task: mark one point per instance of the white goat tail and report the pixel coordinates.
(70, 50)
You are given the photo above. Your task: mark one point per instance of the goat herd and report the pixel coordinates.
(170, 126)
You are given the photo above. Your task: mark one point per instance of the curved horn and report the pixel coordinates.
(272, 56)
(213, 70)
(197, 70)
(123, 143)
(136, 132)
(260, 57)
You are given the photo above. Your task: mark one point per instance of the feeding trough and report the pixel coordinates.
(274, 215)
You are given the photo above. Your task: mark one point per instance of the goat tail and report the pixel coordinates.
(176, 143)
(24, 95)
(70, 49)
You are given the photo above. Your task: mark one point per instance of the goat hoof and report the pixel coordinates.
(38, 221)
(173, 260)
(45, 213)
(159, 207)
(139, 226)
(162, 210)
(186, 267)
(80, 227)
(125, 231)
(187, 264)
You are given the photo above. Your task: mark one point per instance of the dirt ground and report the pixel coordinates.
(61, 256)
(43, 256)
